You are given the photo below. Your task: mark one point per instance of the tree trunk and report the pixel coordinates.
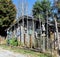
(47, 28)
(33, 33)
(40, 32)
(57, 36)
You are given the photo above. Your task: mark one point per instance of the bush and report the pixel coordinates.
(13, 42)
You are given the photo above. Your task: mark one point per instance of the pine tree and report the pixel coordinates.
(7, 13)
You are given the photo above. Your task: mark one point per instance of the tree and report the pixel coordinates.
(42, 9)
(7, 13)
(57, 9)
(57, 20)
(58, 6)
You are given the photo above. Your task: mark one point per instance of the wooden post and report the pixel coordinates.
(43, 37)
(27, 32)
(14, 30)
(47, 29)
(20, 35)
(54, 40)
(22, 5)
(40, 32)
(24, 39)
(57, 36)
(33, 33)
(11, 31)
(30, 41)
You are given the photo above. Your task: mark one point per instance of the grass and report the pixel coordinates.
(26, 52)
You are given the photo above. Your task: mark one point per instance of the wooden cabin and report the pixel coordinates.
(27, 30)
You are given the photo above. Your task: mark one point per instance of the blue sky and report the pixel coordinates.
(30, 4)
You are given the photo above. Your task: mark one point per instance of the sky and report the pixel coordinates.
(30, 5)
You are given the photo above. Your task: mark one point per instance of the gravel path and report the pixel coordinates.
(7, 53)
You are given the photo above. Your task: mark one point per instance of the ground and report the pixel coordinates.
(7, 53)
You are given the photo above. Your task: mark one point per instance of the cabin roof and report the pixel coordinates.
(25, 17)
(30, 18)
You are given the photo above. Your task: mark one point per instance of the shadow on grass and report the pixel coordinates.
(23, 51)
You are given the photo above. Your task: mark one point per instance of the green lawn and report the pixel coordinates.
(23, 51)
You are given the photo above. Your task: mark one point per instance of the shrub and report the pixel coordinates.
(13, 42)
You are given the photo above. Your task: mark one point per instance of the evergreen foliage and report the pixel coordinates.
(7, 13)
(40, 8)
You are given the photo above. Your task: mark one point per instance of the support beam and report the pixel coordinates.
(47, 30)
(40, 32)
(27, 32)
(33, 33)
(30, 41)
(57, 36)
